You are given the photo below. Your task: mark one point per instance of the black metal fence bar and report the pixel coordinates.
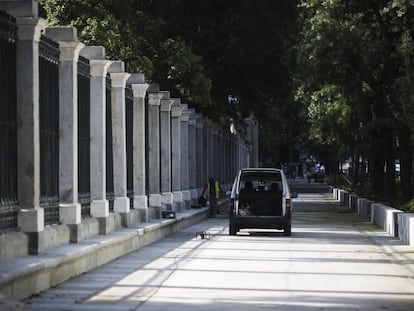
(109, 148)
(84, 137)
(49, 128)
(8, 128)
(129, 110)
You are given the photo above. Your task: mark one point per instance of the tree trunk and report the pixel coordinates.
(355, 166)
(405, 162)
(390, 183)
(376, 165)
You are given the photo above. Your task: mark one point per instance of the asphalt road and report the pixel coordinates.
(332, 261)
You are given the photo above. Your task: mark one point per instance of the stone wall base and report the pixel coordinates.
(29, 275)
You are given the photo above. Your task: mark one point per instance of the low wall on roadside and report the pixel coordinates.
(406, 228)
(364, 207)
(393, 221)
(385, 217)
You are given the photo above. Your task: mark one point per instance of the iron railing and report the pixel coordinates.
(129, 116)
(84, 137)
(49, 128)
(8, 127)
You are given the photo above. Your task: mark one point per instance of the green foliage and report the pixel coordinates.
(365, 49)
(408, 206)
(128, 31)
(329, 116)
(184, 73)
(204, 52)
(246, 50)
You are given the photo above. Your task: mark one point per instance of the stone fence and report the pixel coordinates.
(95, 148)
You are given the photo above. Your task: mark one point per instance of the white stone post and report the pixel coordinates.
(31, 215)
(118, 83)
(69, 208)
(99, 66)
(176, 153)
(155, 198)
(185, 116)
(139, 89)
(165, 130)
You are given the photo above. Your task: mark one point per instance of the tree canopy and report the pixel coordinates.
(328, 77)
(205, 52)
(364, 49)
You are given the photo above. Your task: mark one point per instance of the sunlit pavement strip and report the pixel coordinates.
(328, 264)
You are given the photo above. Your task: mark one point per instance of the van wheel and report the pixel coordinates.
(232, 230)
(287, 230)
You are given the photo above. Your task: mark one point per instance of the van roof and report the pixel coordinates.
(261, 169)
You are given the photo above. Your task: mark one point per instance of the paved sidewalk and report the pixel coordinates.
(23, 277)
(333, 261)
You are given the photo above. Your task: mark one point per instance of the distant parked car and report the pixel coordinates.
(261, 199)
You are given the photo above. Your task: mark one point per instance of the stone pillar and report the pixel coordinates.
(222, 156)
(185, 116)
(228, 159)
(243, 154)
(99, 66)
(69, 208)
(210, 152)
(233, 154)
(214, 151)
(176, 109)
(253, 140)
(165, 148)
(204, 173)
(200, 162)
(139, 89)
(154, 99)
(31, 215)
(118, 83)
(192, 155)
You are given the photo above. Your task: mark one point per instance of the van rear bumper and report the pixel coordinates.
(259, 222)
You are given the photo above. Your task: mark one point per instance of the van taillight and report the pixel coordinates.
(288, 206)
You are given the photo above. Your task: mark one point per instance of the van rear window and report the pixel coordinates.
(261, 181)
